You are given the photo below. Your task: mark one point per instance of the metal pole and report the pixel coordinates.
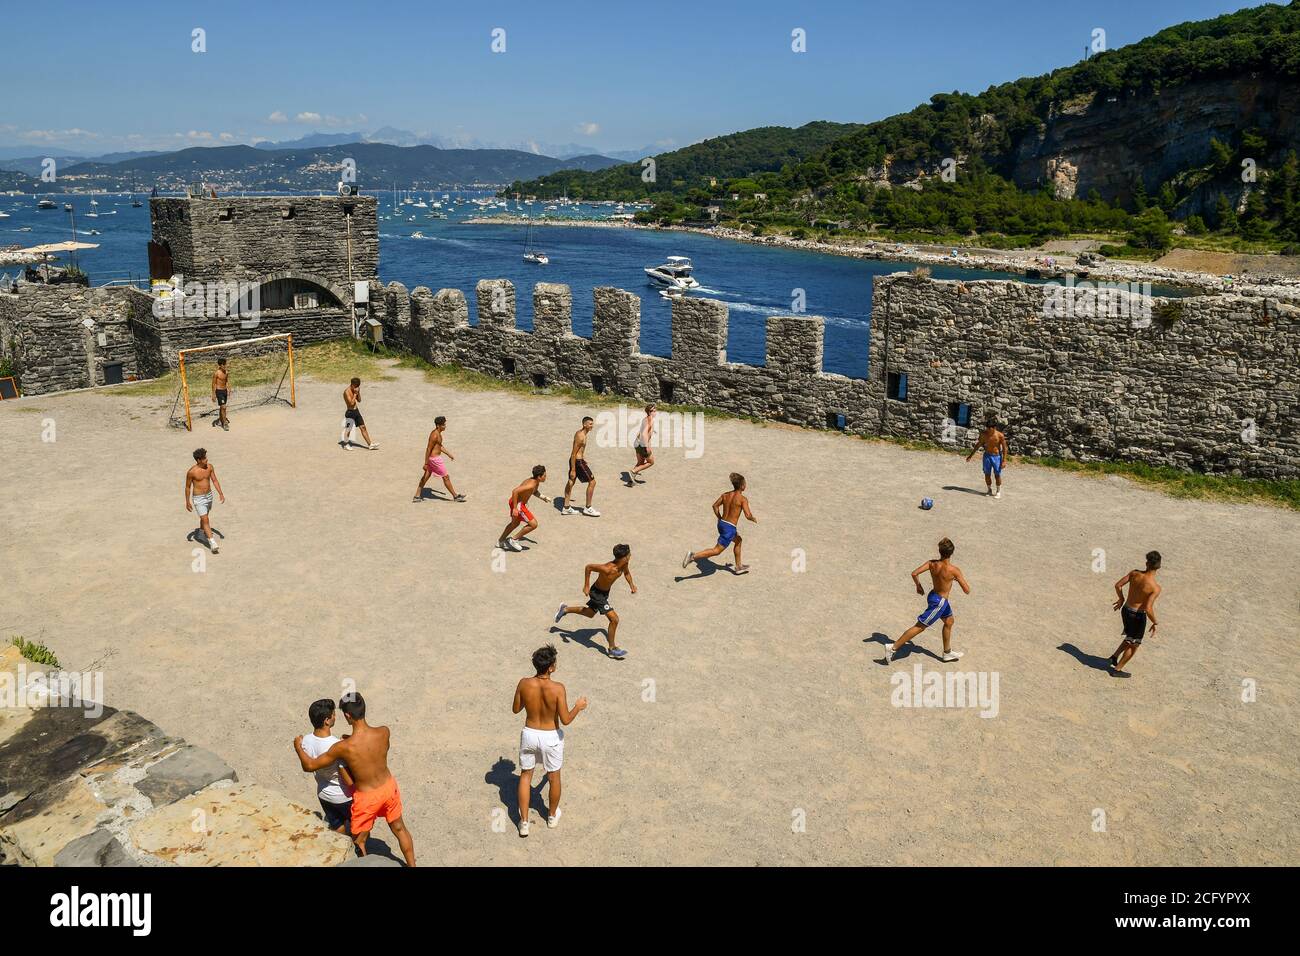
(293, 393)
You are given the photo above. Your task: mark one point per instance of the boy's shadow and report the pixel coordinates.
(704, 567)
(969, 491)
(583, 636)
(196, 536)
(1086, 659)
(502, 775)
(907, 650)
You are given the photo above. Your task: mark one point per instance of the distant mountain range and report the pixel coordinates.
(266, 167)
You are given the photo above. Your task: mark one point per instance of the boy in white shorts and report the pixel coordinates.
(547, 708)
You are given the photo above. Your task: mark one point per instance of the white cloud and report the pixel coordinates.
(307, 118)
(277, 117)
(588, 129)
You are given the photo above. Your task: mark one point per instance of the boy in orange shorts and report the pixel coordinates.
(519, 511)
(365, 753)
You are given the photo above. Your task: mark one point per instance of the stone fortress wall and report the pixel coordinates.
(1207, 383)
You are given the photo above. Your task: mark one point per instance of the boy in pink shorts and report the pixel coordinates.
(433, 463)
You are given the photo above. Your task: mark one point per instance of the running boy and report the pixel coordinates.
(727, 509)
(994, 443)
(433, 463)
(519, 511)
(352, 419)
(545, 703)
(579, 470)
(942, 575)
(598, 594)
(199, 482)
(1136, 610)
(645, 458)
(365, 752)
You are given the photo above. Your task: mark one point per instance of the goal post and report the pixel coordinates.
(260, 371)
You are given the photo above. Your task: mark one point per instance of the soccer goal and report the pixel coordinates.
(260, 372)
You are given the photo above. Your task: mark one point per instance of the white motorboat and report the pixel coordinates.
(47, 204)
(675, 273)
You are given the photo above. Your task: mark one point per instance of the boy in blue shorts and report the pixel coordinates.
(994, 443)
(942, 575)
(727, 509)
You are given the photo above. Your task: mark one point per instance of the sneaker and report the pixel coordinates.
(686, 561)
(638, 479)
(742, 569)
(225, 426)
(951, 656)
(523, 828)
(459, 498)
(514, 545)
(345, 444)
(553, 822)
(566, 510)
(998, 493)
(559, 615)
(590, 512)
(618, 653)
(216, 548)
(374, 447)
(889, 652)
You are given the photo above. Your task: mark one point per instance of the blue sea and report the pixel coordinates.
(754, 281)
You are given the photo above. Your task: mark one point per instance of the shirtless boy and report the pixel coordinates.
(645, 458)
(519, 511)
(199, 482)
(579, 470)
(365, 753)
(545, 702)
(598, 594)
(942, 575)
(352, 419)
(727, 509)
(433, 463)
(994, 444)
(221, 393)
(1136, 610)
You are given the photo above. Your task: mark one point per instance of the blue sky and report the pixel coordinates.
(92, 77)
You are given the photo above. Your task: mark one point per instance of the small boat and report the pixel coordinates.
(675, 273)
(417, 235)
(4, 215)
(531, 254)
(47, 204)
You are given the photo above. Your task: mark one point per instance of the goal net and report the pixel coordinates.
(259, 372)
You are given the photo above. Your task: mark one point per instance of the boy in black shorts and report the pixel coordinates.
(598, 594)
(1135, 610)
(333, 784)
(352, 419)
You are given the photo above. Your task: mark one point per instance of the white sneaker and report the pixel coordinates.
(559, 615)
(523, 828)
(590, 512)
(998, 493)
(515, 545)
(216, 548)
(953, 655)
(553, 822)
(889, 652)
(568, 511)
(374, 447)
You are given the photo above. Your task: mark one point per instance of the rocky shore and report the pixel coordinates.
(1022, 261)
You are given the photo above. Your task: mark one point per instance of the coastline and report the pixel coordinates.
(993, 260)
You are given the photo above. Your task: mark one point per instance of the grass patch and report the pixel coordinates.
(35, 652)
(464, 379)
(336, 361)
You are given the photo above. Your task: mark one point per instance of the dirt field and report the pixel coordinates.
(752, 722)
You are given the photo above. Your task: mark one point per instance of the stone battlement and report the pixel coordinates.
(1208, 383)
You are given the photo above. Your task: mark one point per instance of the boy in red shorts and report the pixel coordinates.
(519, 512)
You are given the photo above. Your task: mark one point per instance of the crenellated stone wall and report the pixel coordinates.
(1209, 383)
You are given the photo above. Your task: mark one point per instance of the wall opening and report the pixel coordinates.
(508, 364)
(836, 420)
(665, 391)
(598, 385)
(896, 386)
(959, 412)
(539, 380)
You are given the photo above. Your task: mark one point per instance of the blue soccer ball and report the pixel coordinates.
(927, 504)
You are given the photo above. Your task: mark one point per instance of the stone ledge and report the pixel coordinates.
(82, 784)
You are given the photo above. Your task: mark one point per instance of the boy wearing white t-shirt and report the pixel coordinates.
(333, 784)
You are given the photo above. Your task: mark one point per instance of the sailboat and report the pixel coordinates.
(531, 254)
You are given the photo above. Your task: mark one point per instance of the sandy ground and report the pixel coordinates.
(752, 722)
(1228, 263)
